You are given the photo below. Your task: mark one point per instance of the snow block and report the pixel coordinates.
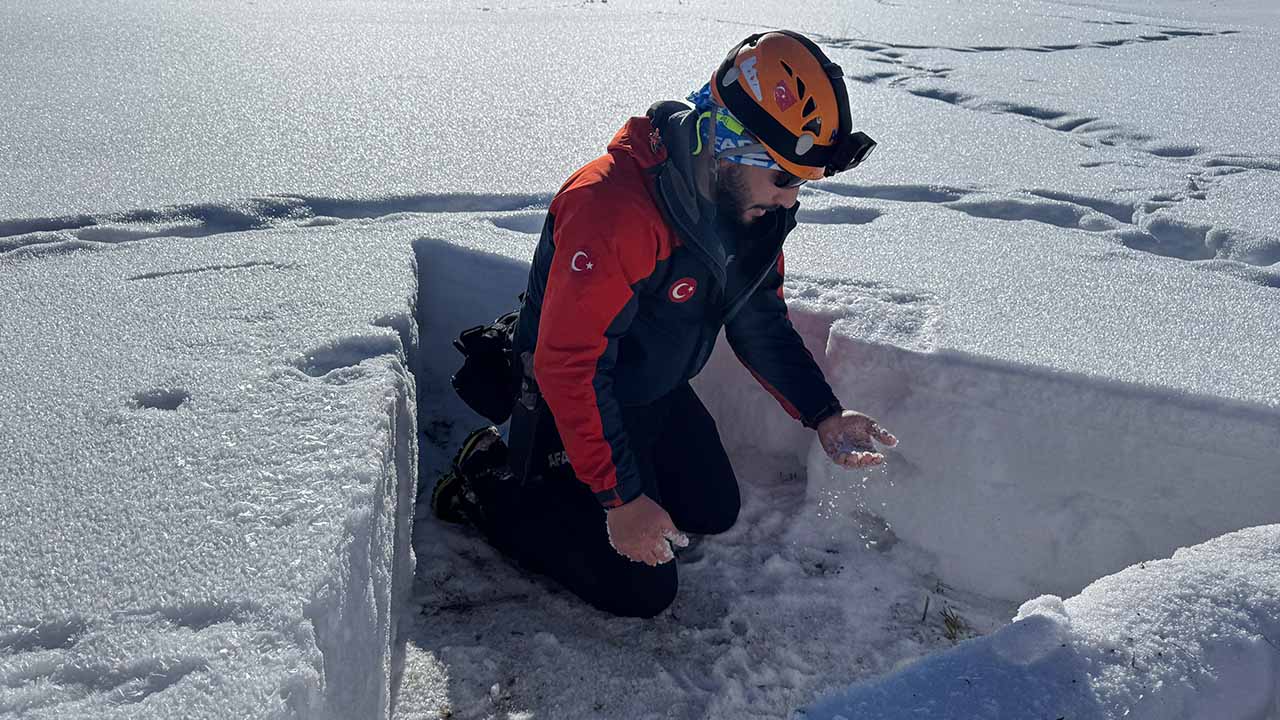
(1193, 637)
(211, 461)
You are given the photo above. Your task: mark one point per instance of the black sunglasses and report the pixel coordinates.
(787, 180)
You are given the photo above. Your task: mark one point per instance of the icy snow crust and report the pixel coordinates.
(1056, 282)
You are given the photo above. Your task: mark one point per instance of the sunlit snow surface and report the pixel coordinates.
(208, 467)
(1056, 282)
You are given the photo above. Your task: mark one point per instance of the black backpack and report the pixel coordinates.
(487, 380)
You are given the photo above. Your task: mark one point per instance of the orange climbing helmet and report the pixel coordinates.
(793, 99)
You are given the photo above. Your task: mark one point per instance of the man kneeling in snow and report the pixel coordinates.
(646, 253)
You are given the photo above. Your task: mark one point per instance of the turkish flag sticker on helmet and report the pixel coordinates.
(683, 289)
(783, 97)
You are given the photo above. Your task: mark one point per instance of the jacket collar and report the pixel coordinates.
(680, 182)
(666, 143)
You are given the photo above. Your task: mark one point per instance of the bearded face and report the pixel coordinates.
(744, 194)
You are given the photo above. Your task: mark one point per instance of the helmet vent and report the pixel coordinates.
(800, 91)
(787, 67)
(809, 108)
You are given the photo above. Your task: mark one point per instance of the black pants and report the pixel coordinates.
(551, 522)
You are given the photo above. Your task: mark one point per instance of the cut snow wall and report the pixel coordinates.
(356, 613)
(1022, 482)
(1018, 481)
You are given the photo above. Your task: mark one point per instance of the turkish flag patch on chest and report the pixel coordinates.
(682, 290)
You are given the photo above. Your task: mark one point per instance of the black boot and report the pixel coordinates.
(481, 464)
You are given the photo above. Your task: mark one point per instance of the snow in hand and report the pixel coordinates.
(236, 242)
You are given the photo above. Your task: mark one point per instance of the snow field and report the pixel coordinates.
(1056, 282)
(817, 555)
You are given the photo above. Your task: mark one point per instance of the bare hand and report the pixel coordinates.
(642, 531)
(848, 438)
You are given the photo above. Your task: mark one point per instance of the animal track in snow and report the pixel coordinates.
(838, 215)
(1240, 163)
(1108, 22)
(1160, 36)
(1083, 126)
(1121, 211)
(210, 268)
(161, 398)
(907, 76)
(1171, 238)
(527, 223)
(46, 635)
(126, 656)
(1174, 151)
(405, 326)
(346, 352)
(53, 682)
(1221, 249)
(197, 220)
(899, 193)
(1058, 209)
(1059, 214)
(1249, 273)
(28, 238)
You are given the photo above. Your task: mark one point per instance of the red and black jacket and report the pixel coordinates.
(632, 281)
